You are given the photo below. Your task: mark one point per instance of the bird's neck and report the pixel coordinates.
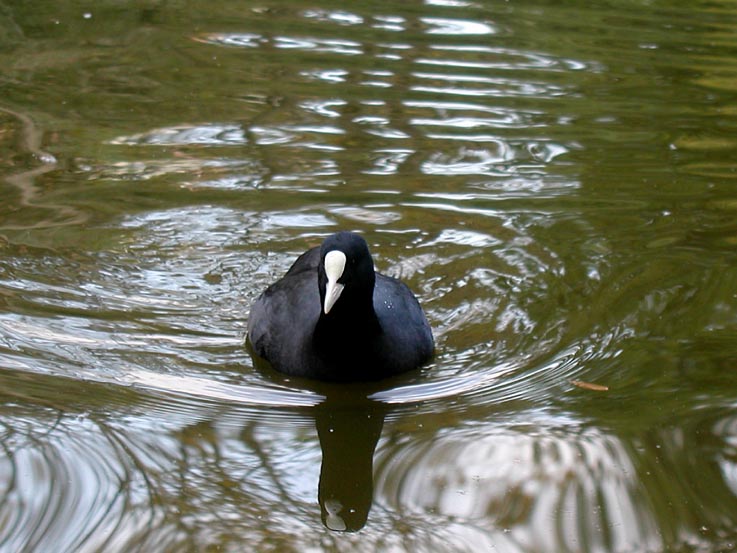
(359, 316)
(348, 323)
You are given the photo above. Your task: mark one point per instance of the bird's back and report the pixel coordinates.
(407, 340)
(282, 317)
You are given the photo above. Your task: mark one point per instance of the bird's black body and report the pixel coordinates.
(376, 327)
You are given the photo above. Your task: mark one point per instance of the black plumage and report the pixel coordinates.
(375, 328)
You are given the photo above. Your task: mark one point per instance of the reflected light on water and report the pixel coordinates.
(441, 26)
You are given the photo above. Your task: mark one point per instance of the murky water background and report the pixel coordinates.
(556, 181)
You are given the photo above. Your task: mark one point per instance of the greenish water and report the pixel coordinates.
(556, 181)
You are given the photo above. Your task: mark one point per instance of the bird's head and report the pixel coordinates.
(346, 274)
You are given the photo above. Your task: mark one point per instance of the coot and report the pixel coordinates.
(332, 317)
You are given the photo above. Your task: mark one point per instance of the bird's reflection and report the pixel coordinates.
(349, 426)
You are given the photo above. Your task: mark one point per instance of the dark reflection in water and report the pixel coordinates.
(348, 424)
(348, 436)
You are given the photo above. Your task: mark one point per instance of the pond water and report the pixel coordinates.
(556, 181)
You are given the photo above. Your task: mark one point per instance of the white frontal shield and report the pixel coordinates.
(334, 266)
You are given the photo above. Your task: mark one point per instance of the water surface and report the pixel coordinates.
(555, 181)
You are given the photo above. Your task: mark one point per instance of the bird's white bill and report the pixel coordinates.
(334, 266)
(332, 293)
